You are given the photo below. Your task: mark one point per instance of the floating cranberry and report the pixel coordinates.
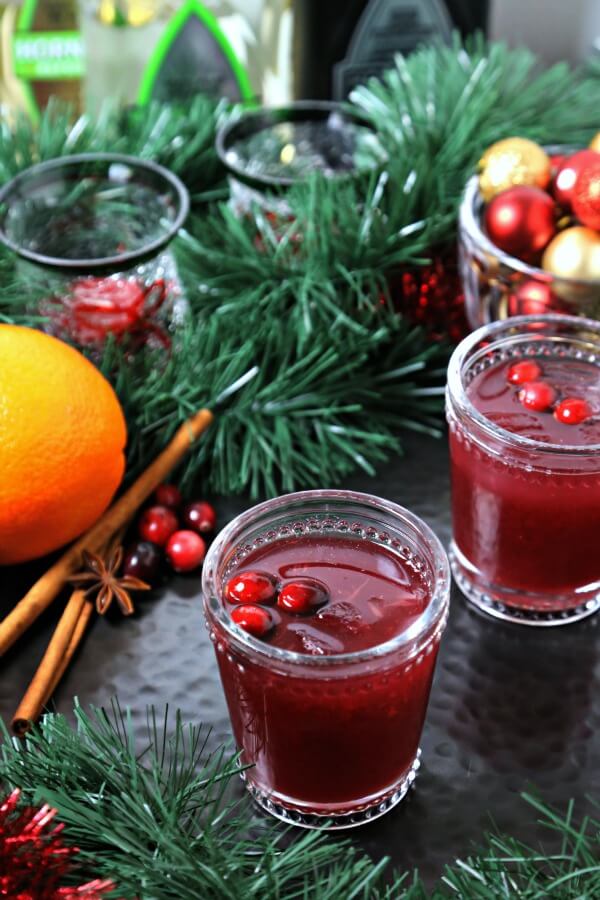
(157, 524)
(572, 411)
(537, 395)
(256, 620)
(142, 560)
(168, 495)
(302, 596)
(522, 372)
(200, 516)
(251, 587)
(185, 551)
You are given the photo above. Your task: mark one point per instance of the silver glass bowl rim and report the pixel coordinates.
(123, 260)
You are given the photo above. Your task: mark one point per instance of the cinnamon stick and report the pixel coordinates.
(43, 592)
(59, 652)
(63, 643)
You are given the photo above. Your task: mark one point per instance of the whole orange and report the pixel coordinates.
(62, 440)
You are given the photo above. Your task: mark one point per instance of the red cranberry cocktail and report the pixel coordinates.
(523, 405)
(326, 609)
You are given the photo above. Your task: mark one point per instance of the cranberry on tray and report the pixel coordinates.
(200, 516)
(185, 551)
(143, 560)
(157, 524)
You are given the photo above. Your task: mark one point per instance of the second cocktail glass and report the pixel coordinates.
(523, 405)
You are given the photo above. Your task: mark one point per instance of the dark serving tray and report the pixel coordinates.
(512, 707)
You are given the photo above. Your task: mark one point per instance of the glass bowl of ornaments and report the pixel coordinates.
(267, 151)
(529, 232)
(92, 234)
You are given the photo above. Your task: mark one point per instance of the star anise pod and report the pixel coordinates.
(105, 583)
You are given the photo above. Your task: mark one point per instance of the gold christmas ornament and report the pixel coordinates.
(510, 162)
(574, 253)
(595, 143)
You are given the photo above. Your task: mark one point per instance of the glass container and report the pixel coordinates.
(331, 740)
(497, 285)
(91, 233)
(525, 510)
(266, 151)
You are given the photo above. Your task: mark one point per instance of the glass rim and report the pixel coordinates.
(468, 221)
(427, 620)
(121, 260)
(456, 394)
(252, 121)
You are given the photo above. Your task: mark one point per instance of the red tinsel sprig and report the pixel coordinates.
(34, 859)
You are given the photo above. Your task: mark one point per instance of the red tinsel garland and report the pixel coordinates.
(34, 859)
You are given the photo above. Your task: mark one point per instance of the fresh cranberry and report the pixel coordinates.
(251, 587)
(302, 596)
(256, 620)
(522, 372)
(157, 524)
(572, 411)
(142, 560)
(537, 395)
(168, 495)
(185, 551)
(200, 516)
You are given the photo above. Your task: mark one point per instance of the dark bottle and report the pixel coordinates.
(341, 43)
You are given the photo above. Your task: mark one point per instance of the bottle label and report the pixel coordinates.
(49, 56)
(385, 28)
(194, 55)
(47, 53)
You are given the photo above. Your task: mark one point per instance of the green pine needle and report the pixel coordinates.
(161, 820)
(299, 307)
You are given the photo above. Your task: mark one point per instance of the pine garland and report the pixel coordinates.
(448, 104)
(292, 333)
(160, 821)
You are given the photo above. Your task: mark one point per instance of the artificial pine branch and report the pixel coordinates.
(448, 104)
(162, 821)
(301, 302)
(284, 416)
(180, 137)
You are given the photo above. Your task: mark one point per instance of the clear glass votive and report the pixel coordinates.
(330, 732)
(267, 150)
(497, 285)
(91, 232)
(526, 486)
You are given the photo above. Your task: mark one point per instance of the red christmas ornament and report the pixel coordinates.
(572, 411)
(432, 296)
(537, 395)
(256, 620)
(522, 372)
(568, 174)
(532, 298)
(95, 308)
(520, 221)
(33, 858)
(586, 194)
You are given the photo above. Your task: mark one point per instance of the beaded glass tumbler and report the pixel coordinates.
(91, 233)
(331, 740)
(525, 511)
